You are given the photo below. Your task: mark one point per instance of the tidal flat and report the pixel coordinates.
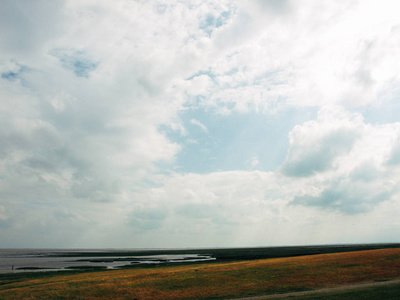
(46, 260)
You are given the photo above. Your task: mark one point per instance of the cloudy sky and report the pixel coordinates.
(199, 123)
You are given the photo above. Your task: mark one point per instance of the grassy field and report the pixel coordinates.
(213, 280)
(390, 292)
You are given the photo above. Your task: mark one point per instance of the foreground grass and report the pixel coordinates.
(214, 280)
(390, 292)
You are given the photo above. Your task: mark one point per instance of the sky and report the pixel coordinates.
(199, 123)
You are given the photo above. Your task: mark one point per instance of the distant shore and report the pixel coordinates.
(48, 260)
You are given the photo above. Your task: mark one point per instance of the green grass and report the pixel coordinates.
(388, 292)
(8, 278)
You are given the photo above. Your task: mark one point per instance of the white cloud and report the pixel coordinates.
(315, 145)
(79, 116)
(199, 124)
(254, 161)
(343, 162)
(87, 89)
(257, 208)
(305, 55)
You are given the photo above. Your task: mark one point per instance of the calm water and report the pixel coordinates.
(28, 260)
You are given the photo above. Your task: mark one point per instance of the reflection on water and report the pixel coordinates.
(24, 260)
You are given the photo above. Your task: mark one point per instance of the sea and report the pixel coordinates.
(39, 260)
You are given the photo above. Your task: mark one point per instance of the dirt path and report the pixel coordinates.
(324, 290)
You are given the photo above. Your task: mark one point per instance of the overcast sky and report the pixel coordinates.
(199, 123)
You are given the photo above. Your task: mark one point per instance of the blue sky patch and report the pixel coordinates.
(77, 61)
(11, 76)
(387, 112)
(234, 142)
(211, 22)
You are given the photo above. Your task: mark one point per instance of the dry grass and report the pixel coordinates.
(215, 280)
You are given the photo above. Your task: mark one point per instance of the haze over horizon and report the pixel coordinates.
(159, 124)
